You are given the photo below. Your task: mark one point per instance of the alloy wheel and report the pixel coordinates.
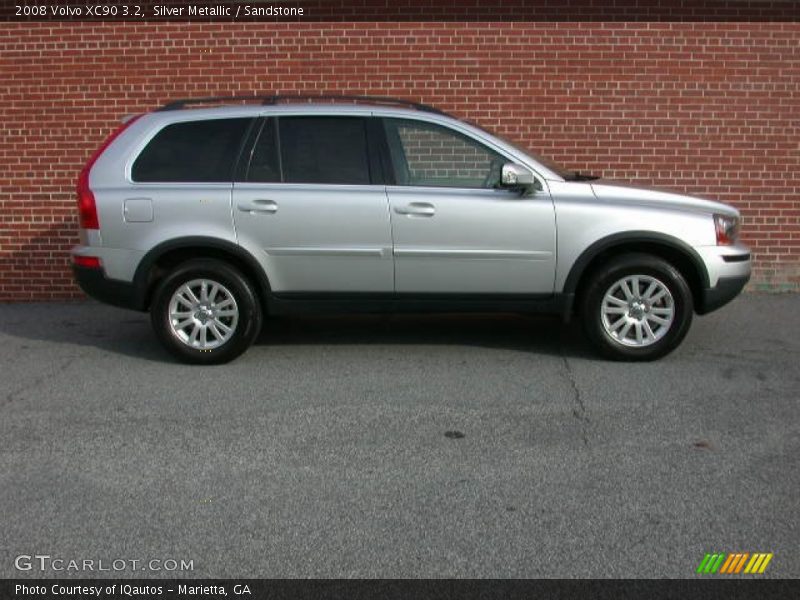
(203, 314)
(637, 310)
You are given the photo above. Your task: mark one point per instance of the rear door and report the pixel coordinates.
(454, 230)
(310, 200)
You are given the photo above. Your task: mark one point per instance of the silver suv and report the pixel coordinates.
(210, 218)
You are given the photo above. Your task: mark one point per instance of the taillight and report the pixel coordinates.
(89, 262)
(87, 208)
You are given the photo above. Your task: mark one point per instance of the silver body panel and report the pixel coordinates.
(472, 241)
(317, 238)
(376, 238)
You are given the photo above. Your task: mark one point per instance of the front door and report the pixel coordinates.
(454, 231)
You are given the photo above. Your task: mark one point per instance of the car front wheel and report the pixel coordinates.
(637, 307)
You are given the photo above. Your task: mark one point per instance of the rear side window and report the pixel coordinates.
(323, 150)
(195, 151)
(265, 163)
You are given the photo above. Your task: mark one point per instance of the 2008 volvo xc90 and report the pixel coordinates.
(212, 217)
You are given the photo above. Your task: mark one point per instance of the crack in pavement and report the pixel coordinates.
(61, 366)
(580, 411)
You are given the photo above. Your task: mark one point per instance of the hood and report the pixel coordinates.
(627, 193)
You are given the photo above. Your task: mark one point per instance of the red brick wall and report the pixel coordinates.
(705, 108)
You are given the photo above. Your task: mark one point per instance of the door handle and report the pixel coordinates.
(416, 209)
(259, 206)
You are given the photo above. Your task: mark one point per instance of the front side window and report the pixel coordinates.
(425, 154)
(195, 151)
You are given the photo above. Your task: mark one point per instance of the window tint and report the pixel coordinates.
(265, 165)
(324, 150)
(196, 151)
(427, 154)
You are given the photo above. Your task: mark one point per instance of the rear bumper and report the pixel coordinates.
(727, 289)
(111, 291)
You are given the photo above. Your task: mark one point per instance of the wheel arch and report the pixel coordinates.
(166, 255)
(675, 251)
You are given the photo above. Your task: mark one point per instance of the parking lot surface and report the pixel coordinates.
(406, 446)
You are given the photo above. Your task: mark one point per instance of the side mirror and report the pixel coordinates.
(517, 177)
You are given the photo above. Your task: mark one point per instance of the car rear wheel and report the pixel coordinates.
(637, 307)
(205, 312)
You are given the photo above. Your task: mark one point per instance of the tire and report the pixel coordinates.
(614, 313)
(230, 314)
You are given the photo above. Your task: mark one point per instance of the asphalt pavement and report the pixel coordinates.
(405, 446)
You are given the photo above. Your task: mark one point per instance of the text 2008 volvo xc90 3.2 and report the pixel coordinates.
(212, 215)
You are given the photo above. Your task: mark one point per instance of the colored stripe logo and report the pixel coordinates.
(734, 563)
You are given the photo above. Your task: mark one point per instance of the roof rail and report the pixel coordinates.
(277, 99)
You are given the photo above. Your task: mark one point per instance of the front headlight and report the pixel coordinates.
(727, 229)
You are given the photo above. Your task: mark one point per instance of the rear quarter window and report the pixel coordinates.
(193, 151)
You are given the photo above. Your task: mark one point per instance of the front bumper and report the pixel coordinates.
(728, 269)
(727, 289)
